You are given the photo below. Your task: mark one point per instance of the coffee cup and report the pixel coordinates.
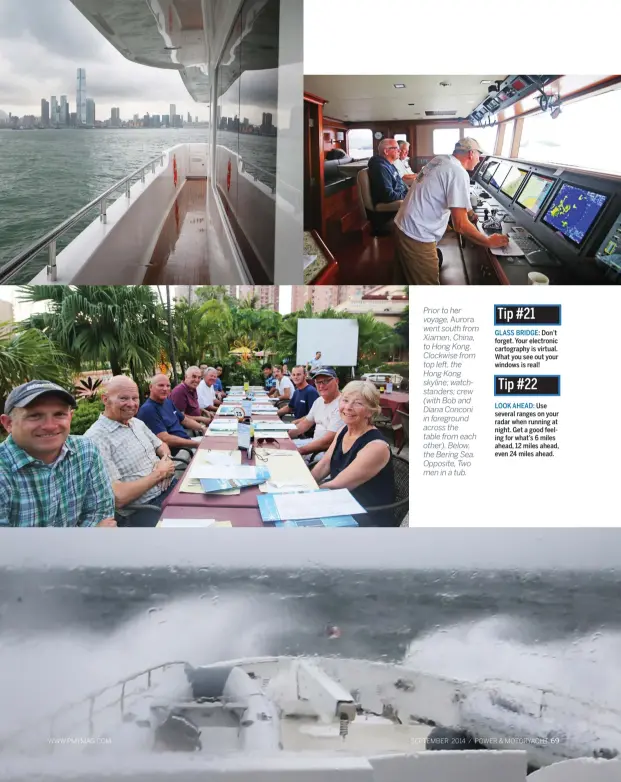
(536, 278)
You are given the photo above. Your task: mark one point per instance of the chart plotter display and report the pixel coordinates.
(500, 174)
(534, 193)
(514, 179)
(573, 211)
(489, 171)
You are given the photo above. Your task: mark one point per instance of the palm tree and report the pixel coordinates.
(402, 328)
(27, 354)
(200, 329)
(121, 326)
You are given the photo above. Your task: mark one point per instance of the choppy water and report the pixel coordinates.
(46, 176)
(65, 633)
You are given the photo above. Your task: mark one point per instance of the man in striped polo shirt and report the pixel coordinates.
(49, 478)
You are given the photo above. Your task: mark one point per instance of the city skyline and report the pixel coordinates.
(43, 44)
(58, 114)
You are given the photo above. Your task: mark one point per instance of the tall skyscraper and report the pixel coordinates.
(45, 113)
(173, 115)
(64, 110)
(321, 297)
(80, 102)
(90, 113)
(115, 119)
(267, 295)
(54, 111)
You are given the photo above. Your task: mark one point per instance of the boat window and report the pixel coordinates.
(360, 143)
(507, 140)
(401, 137)
(246, 135)
(486, 138)
(444, 140)
(585, 134)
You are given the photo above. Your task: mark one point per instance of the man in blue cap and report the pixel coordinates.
(49, 478)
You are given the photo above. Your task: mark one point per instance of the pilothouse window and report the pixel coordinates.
(507, 139)
(444, 140)
(585, 134)
(360, 143)
(486, 138)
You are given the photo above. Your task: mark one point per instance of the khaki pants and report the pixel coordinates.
(416, 261)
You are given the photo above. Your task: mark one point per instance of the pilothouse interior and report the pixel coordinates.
(550, 181)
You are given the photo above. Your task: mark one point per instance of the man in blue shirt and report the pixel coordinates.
(303, 396)
(384, 180)
(218, 383)
(270, 380)
(163, 418)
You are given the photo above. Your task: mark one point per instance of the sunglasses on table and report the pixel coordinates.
(271, 441)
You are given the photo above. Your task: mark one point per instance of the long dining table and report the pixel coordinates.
(242, 509)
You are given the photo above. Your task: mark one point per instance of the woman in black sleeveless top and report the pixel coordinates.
(359, 458)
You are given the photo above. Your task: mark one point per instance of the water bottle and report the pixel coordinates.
(246, 386)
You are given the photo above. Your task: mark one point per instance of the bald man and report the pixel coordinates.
(164, 420)
(139, 463)
(386, 184)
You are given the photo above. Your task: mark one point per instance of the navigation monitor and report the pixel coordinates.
(500, 174)
(573, 211)
(534, 193)
(489, 171)
(514, 179)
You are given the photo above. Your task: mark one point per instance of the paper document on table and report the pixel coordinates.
(288, 472)
(337, 502)
(267, 435)
(225, 471)
(186, 522)
(273, 426)
(222, 428)
(308, 505)
(191, 485)
(207, 456)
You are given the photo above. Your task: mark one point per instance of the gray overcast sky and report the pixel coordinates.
(43, 42)
(399, 548)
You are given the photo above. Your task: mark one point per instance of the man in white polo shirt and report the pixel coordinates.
(206, 391)
(324, 416)
(441, 191)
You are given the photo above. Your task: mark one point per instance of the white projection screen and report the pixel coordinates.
(336, 339)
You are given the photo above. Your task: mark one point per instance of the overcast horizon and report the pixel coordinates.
(43, 44)
(471, 549)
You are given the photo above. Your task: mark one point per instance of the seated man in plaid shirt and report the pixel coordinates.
(49, 478)
(138, 463)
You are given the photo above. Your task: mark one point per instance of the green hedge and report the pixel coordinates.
(85, 415)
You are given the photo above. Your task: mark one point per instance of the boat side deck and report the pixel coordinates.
(187, 251)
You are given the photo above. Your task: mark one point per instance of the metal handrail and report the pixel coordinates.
(90, 699)
(49, 240)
